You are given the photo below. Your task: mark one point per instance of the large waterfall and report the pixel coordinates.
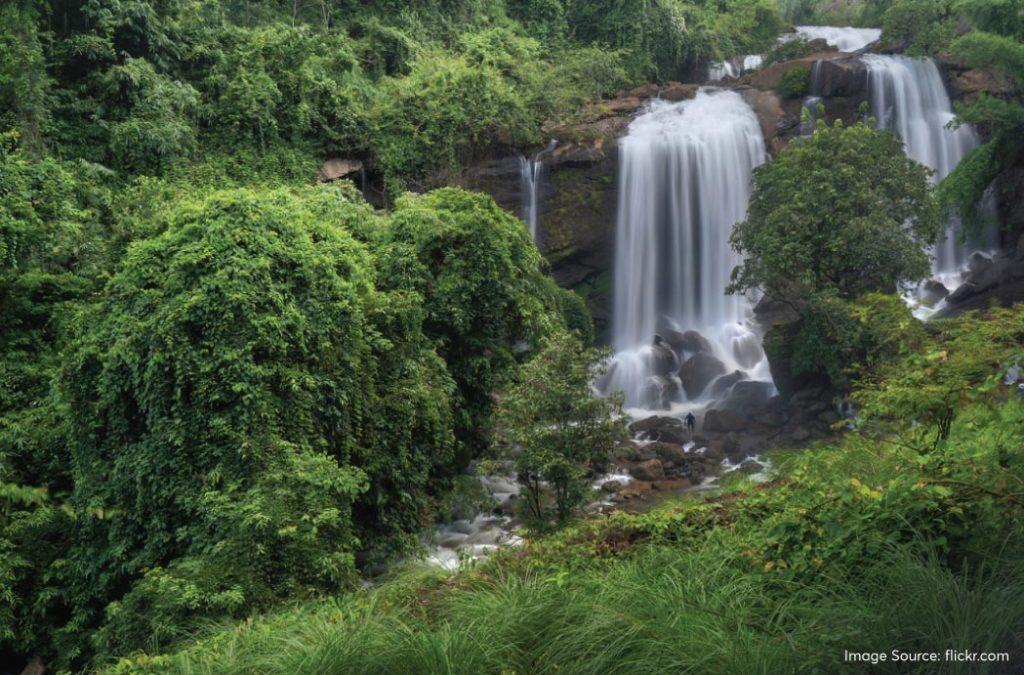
(908, 96)
(684, 182)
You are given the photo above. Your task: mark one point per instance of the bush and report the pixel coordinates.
(795, 83)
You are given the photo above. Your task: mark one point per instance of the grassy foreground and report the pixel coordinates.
(863, 546)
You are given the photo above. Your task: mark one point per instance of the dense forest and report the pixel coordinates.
(236, 394)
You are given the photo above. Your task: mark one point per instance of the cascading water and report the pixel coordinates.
(908, 96)
(531, 172)
(684, 182)
(843, 38)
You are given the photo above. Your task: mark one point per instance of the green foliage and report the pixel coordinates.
(843, 212)
(554, 429)
(835, 216)
(926, 26)
(930, 386)
(995, 44)
(773, 580)
(795, 83)
(484, 296)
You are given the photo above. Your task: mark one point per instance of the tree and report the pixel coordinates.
(837, 215)
(554, 428)
(843, 212)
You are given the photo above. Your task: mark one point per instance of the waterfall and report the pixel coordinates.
(843, 38)
(685, 174)
(909, 97)
(531, 171)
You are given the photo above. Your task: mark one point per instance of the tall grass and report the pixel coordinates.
(666, 610)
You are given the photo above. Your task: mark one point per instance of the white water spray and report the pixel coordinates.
(531, 172)
(684, 182)
(909, 97)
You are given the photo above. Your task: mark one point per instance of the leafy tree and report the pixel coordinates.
(554, 428)
(835, 216)
(227, 353)
(843, 212)
(926, 26)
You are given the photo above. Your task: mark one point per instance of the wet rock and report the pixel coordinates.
(751, 466)
(662, 360)
(800, 434)
(722, 420)
(721, 386)
(676, 91)
(668, 452)
(644, 453)
(932, 291)
(659, 391)
(687, 341)
(697, 373)
(747, 350)
(770, 312)
(828, 417)
(715, 451)
(660, 428)
(963, 292)
(611, 486)
(748, 397)
(652, 469)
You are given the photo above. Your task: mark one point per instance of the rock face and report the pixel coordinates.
(336, 168)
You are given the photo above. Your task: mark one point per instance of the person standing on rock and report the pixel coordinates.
(691, 422)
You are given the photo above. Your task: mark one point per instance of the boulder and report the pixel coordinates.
(747, 350)
(932, 291)
(336, 168)
(687, 341)
(698, 371)
(649, 470)
(722, 420)
(800, 434)
(722, 385)
(661, 359)
(644, 453)
(748, 397)
(611, 486)
(963, 292)
(769, 312)
(768, 108)
(658, 392)
(668, 452)
(660, 428)
(751, 466)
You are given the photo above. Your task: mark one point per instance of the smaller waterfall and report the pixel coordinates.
(843, 38)
(909, 97)
(531, 172)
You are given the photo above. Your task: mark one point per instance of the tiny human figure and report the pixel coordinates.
(691, 422)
